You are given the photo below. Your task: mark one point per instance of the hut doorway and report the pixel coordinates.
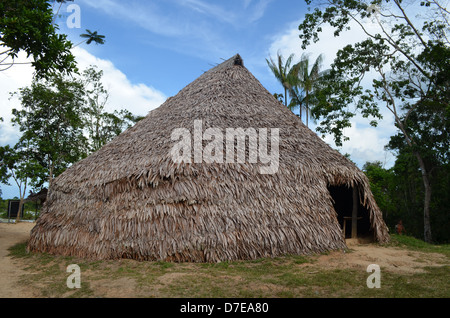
(352, 216)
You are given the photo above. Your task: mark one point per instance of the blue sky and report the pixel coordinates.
(155, 48)
(167, 44)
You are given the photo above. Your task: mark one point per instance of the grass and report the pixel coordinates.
(415, 244)
(281, 277)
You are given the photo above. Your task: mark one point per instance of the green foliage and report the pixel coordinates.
(305, 79)
(3, 207)
(399, 193)
(408, 194)
(93, 37)
(428, 124)
(4, 175)
(20, 165)
(28, 25)
(51, 123)
(101, 126)
(410, 58)
(380, 180)
(279, 97)
(412, 243)
(282, 71)
(31, 210)
(17, 163)
(412, 76)
(298, 81)
(62, 120)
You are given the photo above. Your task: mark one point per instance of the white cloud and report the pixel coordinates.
(366, 143)
(138, 98)
(289, 42)
(149, 17)
(11, 80)
(251, 13)
(258, 10)
(184, 26)
(246, 3)
(212, 10)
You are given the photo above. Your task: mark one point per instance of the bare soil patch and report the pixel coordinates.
(390, 259)
(10, 271)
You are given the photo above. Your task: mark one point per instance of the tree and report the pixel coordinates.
(428, 124)
(406, 55)
(63, 120)
(92, 37)
(282, 71)
(380, 180)
(101, 125)
(96, 99)
(304, 82)
(27, 25)
(297, 80)
(17, 163)
(51, 123)
(279, 97)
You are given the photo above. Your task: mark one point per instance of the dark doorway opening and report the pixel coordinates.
(343, 205)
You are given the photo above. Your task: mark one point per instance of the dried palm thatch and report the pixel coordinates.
(131, 200)
(40, 196)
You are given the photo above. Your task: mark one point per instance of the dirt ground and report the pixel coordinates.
(11, 234)
(391, 259)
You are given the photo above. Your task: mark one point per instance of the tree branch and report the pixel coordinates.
(410, 23)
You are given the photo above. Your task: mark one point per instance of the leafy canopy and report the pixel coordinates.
(28, 25)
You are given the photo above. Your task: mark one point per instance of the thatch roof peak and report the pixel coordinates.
(236, 60)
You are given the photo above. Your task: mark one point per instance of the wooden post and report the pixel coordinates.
(355, 213)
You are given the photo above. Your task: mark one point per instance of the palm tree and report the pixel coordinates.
(92, 37)
(306, 79)
(296, 94)
(297, 80)
(282, 72)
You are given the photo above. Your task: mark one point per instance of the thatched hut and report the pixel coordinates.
(131, 199)
(38, 197)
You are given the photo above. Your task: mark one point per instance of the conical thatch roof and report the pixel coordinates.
(130, 199)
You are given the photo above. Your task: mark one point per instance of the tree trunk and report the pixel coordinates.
(300, 111)
(285, 96)
(307, 115)
(426, 183)
(21, 203)
(20, 209)
(427, 199)
(50, 177)
(307, 107)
